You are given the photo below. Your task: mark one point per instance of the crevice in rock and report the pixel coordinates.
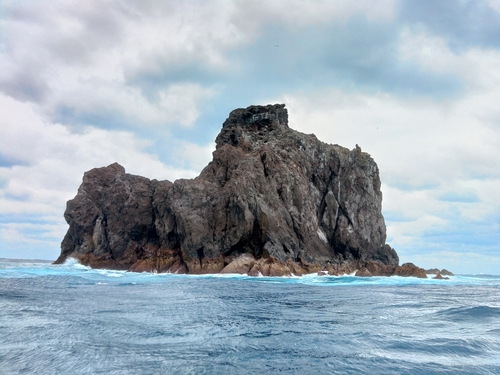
(201, 255)
(285, 249)
(263, 160)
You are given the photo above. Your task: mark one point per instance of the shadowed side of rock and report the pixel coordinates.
(273, 201)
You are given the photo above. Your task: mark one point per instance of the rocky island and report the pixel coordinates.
(272, 202)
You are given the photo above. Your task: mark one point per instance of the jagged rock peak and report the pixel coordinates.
(270, 115)
(256, 120)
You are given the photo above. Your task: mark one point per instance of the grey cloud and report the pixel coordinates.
(358, 53)
(355, 53)
(463, 23)
(365, 53)
(104, 119)
(24, 84)
(185, 67)
(33, 46)
(7, 161)
(101, 29)
(96, 27)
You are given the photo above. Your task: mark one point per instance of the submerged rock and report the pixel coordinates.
(273, 201)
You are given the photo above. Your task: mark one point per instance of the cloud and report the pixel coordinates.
(196, 157)
(458, 262)
(47, 164)
(439, 159)
(104, 62)
(463, 23)
(109, 106)
(148, 84)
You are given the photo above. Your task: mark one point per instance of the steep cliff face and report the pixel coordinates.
(272, 201)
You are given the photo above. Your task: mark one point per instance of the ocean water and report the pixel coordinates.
(69, 319)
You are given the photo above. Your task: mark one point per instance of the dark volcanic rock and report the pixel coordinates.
(432, 271)
(440, 277)
(273, 201)
(445, 272)
(409, 269)
(363, 272)
(436, 271)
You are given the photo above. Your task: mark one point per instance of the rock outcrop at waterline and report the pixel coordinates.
(272, 201)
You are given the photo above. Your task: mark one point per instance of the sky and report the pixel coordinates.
(148, 84)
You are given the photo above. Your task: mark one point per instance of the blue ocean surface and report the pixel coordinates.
(70, 319)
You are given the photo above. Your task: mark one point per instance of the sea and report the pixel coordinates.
(70, 319)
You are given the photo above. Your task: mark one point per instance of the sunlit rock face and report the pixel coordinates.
(272, 201)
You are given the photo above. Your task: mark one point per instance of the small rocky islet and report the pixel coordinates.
(272, 202)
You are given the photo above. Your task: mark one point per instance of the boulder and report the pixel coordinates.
(241, 264)
(363, 272)
(410, 270)
(439, 277)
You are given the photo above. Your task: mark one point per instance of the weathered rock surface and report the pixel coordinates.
(432, 271)
(273, 201)
(440, 277)
(363, 272)
(436, 271)
(445, 272)
(409, 269)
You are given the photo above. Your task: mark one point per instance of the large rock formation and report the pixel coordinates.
(273, 201)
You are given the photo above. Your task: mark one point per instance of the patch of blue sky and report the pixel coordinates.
(7, 161)
(396, 217)
(405, 186)
(464, 232)
(427, 244)
(358, 53)
(3, 182)
(198, 72)
(462, 238)
(17, 197)
(455, 197)
(110, 120)
(36, 233)
(45, 250)
(27, 218)
(464, 24)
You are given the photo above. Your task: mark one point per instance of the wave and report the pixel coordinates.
(34, 269)
(476, 313)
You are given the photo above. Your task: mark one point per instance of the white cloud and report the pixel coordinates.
(176, 103)
(196, 157)
(458, 262)
(254, 14)
(76, 56)
(430, 153)
(51, 161)
(153, 66)
(431, 52)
